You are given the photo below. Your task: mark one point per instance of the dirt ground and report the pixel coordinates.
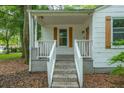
(103, 81)
(14, 74)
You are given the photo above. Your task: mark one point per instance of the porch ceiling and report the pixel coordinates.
(61, 17)
(78, 19)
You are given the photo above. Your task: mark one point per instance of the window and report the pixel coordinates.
(118, 30)
(39, 32)
(63, 37)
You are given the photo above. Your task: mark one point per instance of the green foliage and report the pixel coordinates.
(10, 56)
(10, 21)
(76, 7)
(15, 50)
(119, 70)
(118, 42)
(119, 59)
(40, 7)
(88, 6)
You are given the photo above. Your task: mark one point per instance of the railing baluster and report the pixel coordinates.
(84, 47)
(89, 48)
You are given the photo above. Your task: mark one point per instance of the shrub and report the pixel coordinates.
(119, 59)
(14, 50)
(118, 42)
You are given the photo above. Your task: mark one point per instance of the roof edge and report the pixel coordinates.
(101, 7)
(62, 11)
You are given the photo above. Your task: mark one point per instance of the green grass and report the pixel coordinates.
(10, 56)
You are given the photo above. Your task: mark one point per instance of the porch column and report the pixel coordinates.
(35, 31)
(30, 39)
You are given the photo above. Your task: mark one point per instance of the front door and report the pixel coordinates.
(63, 40)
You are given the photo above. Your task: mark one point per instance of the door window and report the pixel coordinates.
(63, 37)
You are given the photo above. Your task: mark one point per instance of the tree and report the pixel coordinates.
(26, 33)
(78, 7)
(8, 23)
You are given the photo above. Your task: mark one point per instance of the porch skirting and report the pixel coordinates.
(38, 65)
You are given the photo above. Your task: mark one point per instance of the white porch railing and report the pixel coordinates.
(79, 63)
(44, 48)
(82, 49)
(85, 48)
(51, 63)
(47, 49)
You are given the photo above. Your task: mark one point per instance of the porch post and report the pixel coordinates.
(30, 39)
(32, 31)
(35, 31)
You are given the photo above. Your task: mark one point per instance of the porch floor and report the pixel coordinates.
(65, 74)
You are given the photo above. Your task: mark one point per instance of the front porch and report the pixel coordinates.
(62, 26)
(60, 36)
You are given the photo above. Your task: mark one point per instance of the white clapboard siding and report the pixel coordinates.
(101, 56)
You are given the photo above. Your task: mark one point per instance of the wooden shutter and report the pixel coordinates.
(55, 33)
(108, 32)
(70, 36)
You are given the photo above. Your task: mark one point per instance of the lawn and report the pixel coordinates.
(10, 56)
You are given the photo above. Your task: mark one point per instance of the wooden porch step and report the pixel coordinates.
(60, 65)
(62, 71)
(65, 77)
(64, 62)
(65, 85)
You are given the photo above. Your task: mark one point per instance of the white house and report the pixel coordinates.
(85, 34)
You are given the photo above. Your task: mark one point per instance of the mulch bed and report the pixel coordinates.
(103, 81)
(15, 74)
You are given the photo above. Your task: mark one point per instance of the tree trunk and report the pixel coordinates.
(26, 34)
(7, 46)
(21, 7)
(21, 40)
(7, 43)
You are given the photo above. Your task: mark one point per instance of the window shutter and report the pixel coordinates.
(108, 32)
(55, 33)
(70, 36)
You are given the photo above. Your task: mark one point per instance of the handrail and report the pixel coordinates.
(79, 63)
(51, 63)
(77, 48)
(53, 47)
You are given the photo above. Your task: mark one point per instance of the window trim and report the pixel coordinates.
(113, 46)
